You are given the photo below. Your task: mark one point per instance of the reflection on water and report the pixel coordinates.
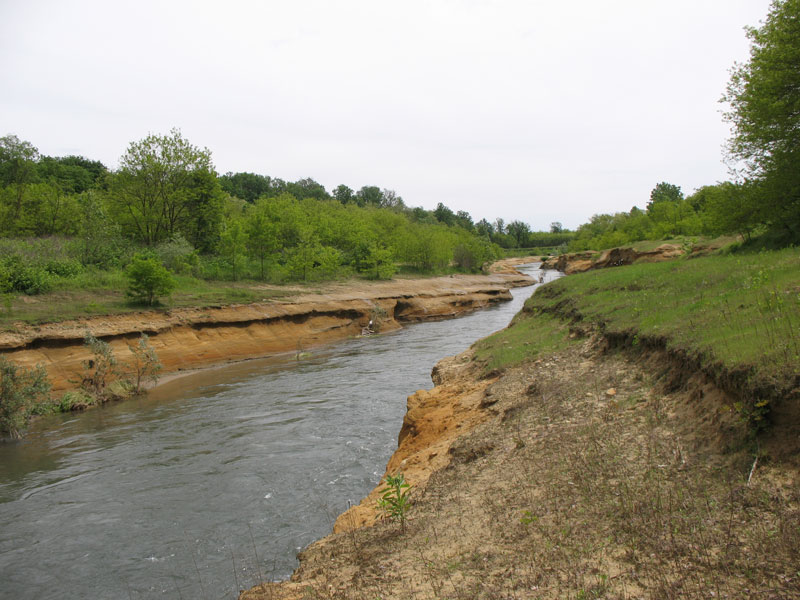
(213, 481)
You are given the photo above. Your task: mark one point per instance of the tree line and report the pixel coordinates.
(166, 201)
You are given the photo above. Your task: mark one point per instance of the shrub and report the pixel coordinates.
(20, 389)
(97, 371)
(15, 276)
(148, 280)
(145, 365)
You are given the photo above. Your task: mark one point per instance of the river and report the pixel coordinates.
(214, 481)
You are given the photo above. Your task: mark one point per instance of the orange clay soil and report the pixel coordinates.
(190, 338)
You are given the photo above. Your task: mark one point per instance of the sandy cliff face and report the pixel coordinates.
(578, 262)
(193, 338)
(434, 419)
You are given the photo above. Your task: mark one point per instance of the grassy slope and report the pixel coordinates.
(737, 317)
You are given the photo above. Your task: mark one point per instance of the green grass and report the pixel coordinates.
(524, 339)
(97, 292)
(735, 313)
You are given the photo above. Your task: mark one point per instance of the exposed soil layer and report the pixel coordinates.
(200, 337)
(578, 262)
(585, 474)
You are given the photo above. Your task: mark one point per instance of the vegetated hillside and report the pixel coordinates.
(622, 452)
(735, 318)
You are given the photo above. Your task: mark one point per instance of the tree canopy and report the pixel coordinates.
(764, 99)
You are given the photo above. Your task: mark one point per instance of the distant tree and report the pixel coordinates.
(390, 199)
(71, 174)
(464, 219)
(369, 195)
(247, 186)
(484, 228)
(156, 185)
(148, 280)
(556, 227)
(344, 194)
(664, 192)
(205, 207)
(444, 215)
(499, 226)
(234, 245)
(262, 239)
(519, 231)
(764, 99)
(307, 188)
(17, 169)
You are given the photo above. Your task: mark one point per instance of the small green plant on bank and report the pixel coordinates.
(98, 370)
(145, 365)
(396, 498)
(20, 389)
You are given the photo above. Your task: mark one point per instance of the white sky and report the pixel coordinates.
(531, 110)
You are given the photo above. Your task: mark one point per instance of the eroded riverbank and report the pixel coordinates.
(159, 496)
(590, 472)
(195, 338)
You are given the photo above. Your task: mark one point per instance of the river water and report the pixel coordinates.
(214, 481)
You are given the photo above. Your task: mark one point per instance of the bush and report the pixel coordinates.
(20, 389)
(148, 280)
(178, 255)
(15, 276)
(63, 268)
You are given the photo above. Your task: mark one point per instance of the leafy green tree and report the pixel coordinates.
(20, 389)
(262, 239)
(484, 228)
(17, 170)
(234, 246)
(664, 192)
(71, 174)
(98, 233)
(344, 194)
(369, 195)
(148, 280)
(307, 188)
(519, 231)
(444, 215)
(205, 208)
(247, 186)
(379, 262)
(764, 99)
(155, 186)
(729, 208)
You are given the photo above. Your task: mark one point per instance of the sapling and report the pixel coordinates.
(396, 498)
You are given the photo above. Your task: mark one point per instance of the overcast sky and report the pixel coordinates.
(534, 110)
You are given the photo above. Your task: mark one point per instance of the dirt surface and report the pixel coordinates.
(585, 474)
(191, 338)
